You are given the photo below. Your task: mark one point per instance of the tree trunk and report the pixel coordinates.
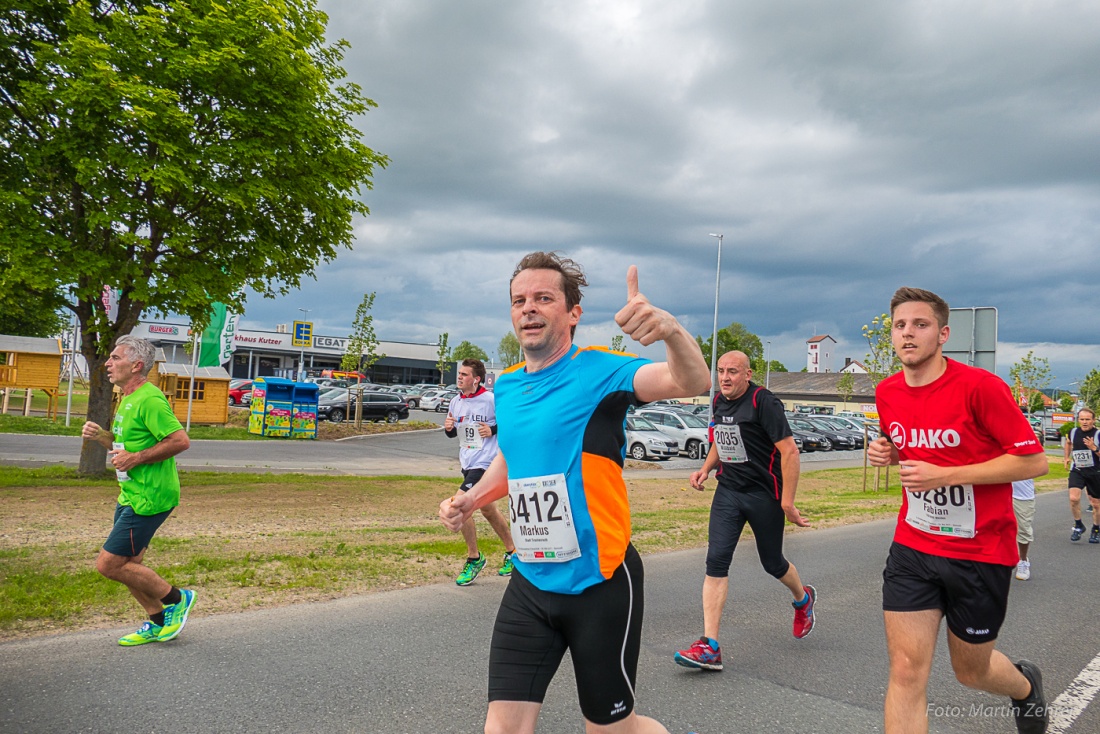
(93, 456)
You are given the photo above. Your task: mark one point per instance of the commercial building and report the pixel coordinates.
(273, 354)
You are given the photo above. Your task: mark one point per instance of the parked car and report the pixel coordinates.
(428, 395)
(240, 392)
(331, 382)
(1037, 427)
(689, 431)
(850, 438)
(411, 396)
(840, 424)
(1051, 433)
(644, 441)
(440, 402)
(808, 441)
(334, 406)
(839, 440)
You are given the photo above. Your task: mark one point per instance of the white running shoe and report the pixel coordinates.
(1023, 570)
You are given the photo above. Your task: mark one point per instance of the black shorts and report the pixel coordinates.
(470, 477)
(729, 511)
(972, 595)
(601, 627)
(1090, 482)
(132, 532)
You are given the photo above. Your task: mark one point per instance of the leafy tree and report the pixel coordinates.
(777, 366)
(846, 385)
(1090, 389)
(1030, 375)
(736, 337)
(177, 152)
(362, 350)
(445, 355)
(882, 361)
(617, 343)
(466, 350)
(31, 314)
(1066, 403)
(509, 350)
(1035, 404)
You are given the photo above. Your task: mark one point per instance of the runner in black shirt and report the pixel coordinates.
(1083, 462)
(757, 461)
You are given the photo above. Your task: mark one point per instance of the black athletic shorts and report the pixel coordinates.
(470, 477)
(132, 532)
(601, 627)
(1090, 482)
(972, 595)
(729, 511)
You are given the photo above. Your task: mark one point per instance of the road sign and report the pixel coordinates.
(303, 333)
(973, 337)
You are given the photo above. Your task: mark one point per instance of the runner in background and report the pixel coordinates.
(758, 466)
(1082, 459)
(472, 418)
(143, 441)
(1023, 506)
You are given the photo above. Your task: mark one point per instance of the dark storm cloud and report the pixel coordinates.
(842, 148)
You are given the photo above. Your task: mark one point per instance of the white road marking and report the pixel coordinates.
(1067, 707)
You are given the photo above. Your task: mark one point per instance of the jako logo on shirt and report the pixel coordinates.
(924, 438)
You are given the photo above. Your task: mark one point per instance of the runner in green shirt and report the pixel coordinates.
(143, 441)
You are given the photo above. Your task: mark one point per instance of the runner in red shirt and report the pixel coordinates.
(961, 442)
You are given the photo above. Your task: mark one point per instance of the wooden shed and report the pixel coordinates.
(30, 363)
(211, 401)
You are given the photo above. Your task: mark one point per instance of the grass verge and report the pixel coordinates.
(257, 540)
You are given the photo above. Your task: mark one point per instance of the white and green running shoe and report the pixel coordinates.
(175, 616)
(149, 632)
(471, 570)
(507, 567)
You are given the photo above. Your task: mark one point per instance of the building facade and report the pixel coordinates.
(272, 354)
(819, 353)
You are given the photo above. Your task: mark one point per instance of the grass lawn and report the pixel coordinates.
(257, 540)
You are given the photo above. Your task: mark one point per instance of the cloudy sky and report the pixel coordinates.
(843, 149)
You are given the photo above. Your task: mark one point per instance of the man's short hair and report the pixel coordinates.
(1086, 410)
(477, 366)
(139, 350)
(919, 295)
(572, 276)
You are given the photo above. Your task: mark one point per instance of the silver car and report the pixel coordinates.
(439, 402)
(644, 441)
(689, 431)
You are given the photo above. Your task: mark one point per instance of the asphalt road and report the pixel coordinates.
(414, 661)
(423, 453)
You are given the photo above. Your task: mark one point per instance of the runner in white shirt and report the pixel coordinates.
(1023, 506)
(472, 418)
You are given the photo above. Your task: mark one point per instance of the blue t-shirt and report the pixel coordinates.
(568, 420)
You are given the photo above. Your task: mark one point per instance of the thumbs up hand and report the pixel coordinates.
(639, 319)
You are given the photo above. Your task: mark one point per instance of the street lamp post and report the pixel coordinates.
(302, 354)
(714, 332)
(767, 366)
